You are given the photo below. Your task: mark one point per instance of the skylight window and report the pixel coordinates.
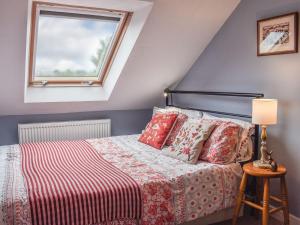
(73, 45)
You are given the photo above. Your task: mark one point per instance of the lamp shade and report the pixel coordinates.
(264, 111)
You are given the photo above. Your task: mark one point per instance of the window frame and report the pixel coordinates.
(117, 40)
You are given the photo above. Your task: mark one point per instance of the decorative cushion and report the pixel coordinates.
(183, 115)
(158, 129)
(189, 141)
(221, 146)
(181, 119)
(244, 147)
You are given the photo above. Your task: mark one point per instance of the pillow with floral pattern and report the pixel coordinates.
(158, 129)
(181, 118)
(189, 141)
(220, 148)
(244, 147)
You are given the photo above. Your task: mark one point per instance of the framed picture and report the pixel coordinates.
(277, 35)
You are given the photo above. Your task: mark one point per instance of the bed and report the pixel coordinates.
(171, 189)
(115, 180)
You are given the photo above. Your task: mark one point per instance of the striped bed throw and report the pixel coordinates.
(68, 182)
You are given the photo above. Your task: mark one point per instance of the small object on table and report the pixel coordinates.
(264, 112)
(272, 162)
(274, 166)
(266, 174)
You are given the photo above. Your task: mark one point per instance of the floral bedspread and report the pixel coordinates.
(173, 191)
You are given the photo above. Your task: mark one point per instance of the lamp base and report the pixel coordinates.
(261, 164)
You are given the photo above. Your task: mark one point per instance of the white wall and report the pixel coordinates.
(175, 34)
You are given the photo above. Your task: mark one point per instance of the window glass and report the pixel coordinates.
(72, 46)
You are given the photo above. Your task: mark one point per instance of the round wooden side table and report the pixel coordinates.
(266, 175)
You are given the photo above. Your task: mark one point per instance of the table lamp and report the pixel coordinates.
(264, 113)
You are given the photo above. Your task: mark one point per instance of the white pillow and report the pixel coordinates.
(158, 109)
(190, 113)
(244, 149)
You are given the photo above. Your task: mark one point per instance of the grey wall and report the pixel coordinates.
(123, 122)
(230, 63)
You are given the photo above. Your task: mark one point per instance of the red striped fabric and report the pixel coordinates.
(68, 182)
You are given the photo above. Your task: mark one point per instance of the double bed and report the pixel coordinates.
(171, 191)
(115, 180)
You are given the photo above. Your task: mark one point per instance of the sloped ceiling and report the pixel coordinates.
(173, 37)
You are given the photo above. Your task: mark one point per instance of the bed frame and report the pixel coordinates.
(251, 191)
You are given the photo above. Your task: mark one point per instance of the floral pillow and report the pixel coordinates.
(158, 129)
(181, 119)
(244, 147)
(189, 141)
(178, 124)
(221, 146)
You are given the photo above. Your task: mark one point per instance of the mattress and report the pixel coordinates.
(173, 192)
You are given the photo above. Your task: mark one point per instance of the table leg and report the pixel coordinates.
(240, 199)
(284, 198)
(259, 195)
(266, 196)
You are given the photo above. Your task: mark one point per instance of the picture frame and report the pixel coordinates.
(278, 35)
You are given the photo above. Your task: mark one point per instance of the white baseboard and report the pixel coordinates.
(294, 220)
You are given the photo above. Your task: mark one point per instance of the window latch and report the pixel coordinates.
(44, 82)
(90, 83)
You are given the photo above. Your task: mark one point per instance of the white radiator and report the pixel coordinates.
(71, 130)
